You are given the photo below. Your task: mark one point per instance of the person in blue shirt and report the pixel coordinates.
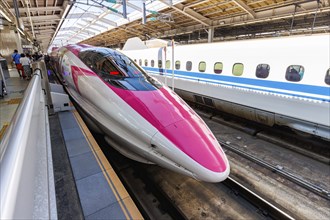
(16, 56)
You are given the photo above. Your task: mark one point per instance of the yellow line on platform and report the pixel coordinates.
(3, 129)
(125, 201)
(14, 101)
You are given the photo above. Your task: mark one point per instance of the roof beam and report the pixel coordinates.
(69, 29)
(81, 15)
(93, 29)
(245, 7)
(95, 24)
(107, 21)
(42, 18)
(192, 4)
(43, 36)
(48, 33)
(44, 28)
(213, 5)
(37, 9)
(38, 23)
(134, 6)
(190, 13)
(36, 5)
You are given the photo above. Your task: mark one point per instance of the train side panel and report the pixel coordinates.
(302, 105)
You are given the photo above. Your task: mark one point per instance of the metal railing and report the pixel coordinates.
(27, 188)
(44, 83)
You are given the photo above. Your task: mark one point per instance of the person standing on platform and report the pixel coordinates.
(25, 61)
(16, 56)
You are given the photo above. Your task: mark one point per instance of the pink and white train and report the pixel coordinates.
(140, 117)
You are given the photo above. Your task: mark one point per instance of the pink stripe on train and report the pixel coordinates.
(183, 128)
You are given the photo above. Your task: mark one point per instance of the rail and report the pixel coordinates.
(278, 169)
(272, 211)
(27, 188)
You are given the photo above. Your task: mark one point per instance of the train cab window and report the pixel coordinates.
(294, 73)
(262, 71)
(202, 66)
(107, 70)
(140, 62)
(177, 64)
(160, 64)
(327, 77)
(146, 62)
(91, 58)
(168, 64)
(188, 65)
(152, 63)
(238, 69)
(218, 66)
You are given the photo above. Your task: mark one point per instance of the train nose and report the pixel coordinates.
(194, 142)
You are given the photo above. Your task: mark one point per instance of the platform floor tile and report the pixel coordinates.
(102, 196)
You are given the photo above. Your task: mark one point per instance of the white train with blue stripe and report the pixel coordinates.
(275, 81)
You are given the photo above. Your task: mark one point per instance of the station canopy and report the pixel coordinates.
(86, 19)
(55, 23)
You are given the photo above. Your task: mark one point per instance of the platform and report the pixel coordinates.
(9, 103)
(86, 185)
(101, 193)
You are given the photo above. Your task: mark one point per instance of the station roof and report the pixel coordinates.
(103, 22)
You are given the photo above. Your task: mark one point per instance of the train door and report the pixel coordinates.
(160, 61)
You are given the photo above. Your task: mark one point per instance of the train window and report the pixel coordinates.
(327, 77)
(168, 64)
(160, 64)
(107, 70)
(140, 62)
(294, 73)
(91, 58)
(189, 65)
(177, 65)
(238, 69)
(202, 66)
(146, 62)
(218, 66)
(152, 63)
(262, 71)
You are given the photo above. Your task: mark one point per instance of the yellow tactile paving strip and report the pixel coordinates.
(14, 101)
(125, 201)
(3, 129)
(11, 101)
(7, 114)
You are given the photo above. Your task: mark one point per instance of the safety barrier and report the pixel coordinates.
(44, 83)
(27, 188)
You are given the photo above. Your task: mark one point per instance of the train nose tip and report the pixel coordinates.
(197, 142)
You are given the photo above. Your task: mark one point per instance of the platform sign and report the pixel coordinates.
(26, 46)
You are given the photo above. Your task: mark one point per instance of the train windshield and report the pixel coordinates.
(117, 69)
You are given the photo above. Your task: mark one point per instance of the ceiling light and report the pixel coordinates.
(19, 30)
(5, 16)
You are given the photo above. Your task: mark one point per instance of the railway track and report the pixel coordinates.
(280, 170)
(268, 209)
(162, 194)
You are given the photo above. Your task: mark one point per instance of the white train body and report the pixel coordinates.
(137, 115)
(300, 103)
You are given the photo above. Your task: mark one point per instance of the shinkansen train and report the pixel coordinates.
(137, 115)
(275, 81)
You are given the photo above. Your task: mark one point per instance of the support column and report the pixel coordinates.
(19, 42)
(210, 35)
